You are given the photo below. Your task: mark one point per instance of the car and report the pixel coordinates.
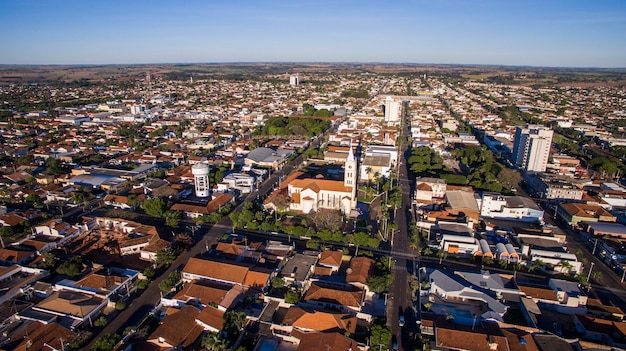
(401, 321)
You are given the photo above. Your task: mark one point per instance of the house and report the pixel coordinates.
(13, 255)
(299, 268)
(195, 210)
(457, 239)
(360, 269)
(342, 297)
(76, 307)
(330, 259)
(266, 157)
(430, 190)
(211, 319)
(295, 322)
(105, 282)
(461, 202)
(452, 339)
(326, 341)
(606, 332)
(453, 296)
(207, 293)
(178, 329)
(553, 299)
(36, 335)
(227, 272)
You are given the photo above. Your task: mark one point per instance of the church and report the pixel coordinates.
(312, 194)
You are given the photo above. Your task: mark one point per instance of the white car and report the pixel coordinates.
(401, 321)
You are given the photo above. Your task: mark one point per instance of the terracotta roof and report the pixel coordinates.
(467, 340)
(538, 293)
(205, 292)
(330, 258)
(212, 316)
(12, 255)
(584, 210)
(101, 280)
(256, 279)
(179, 327)
(322, 270)
(321, 184)
(615, 330)
(514, 338)
(348, 296)
(38, 335)
(216, 270)
(361, 268)
(326, 341)
(320, 321)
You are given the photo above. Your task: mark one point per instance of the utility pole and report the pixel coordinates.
(589, 275)
(593, 253)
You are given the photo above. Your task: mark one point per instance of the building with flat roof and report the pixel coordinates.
(531, 148)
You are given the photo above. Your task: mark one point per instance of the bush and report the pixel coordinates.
(80, 340)
(100, 322)
(106, 343)
(120, 305)
(292, 297)
(143, 284)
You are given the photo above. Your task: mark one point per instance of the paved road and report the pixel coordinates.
(401, 302)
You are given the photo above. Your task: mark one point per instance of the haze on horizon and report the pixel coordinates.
(556, 33)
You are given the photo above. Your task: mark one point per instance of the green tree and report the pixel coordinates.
(214, 342)
(73, 267)
(100, 321)
(155, 207)
(363, 239)
(172, 218)
(379, 283)
(6, 231)
(277, 282)
(170, 282)
(234, 322)
(313, 244)
(149, 272)
(380, 335)
(165, 257)
(292, 297)
(106, 343)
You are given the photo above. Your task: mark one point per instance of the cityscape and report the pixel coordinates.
(296, 176)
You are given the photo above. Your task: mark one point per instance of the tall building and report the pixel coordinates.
(531, 148)
(350, 176)
(201, 179)
(392, 110)
(294, 80)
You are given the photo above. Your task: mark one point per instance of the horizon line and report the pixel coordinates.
(312, 62)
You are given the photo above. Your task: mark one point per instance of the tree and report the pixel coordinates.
(170, 282)
(313, 244)
(154, 207)
(106, 343)
(234, 322)
(100, 322)
(172, 218)
(565, 266)
(73, 267)
(363, 239)
(442, 254)
(379, 283)
(6, 231)
(277, 282)
(214, 342)
(292, 297)
(149, 272)
(381, 335)
(165, 257)
(327, 219)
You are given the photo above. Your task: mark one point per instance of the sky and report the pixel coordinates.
(553, 33)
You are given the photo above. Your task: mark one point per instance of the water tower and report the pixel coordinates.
(201, 179)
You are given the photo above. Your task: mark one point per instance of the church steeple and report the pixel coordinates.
(349, 178)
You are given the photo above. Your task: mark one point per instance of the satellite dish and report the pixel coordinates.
(349, 271)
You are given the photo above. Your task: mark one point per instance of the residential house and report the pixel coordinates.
(573, 213)
(227, 272)
(510, 208)
(430, 190)
(347, 298)
(178, 329)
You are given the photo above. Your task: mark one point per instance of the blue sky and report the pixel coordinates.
(564, 33)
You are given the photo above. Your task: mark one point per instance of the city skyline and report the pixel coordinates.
(532, 33)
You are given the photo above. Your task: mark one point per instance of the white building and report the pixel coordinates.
(393, 110)
(531, 148)
(510, 207)
(310, 195)
(294, 80)
(201, 179)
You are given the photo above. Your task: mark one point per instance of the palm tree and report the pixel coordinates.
(441, 254)
(565, 265)
(214, 342)
(537, 265)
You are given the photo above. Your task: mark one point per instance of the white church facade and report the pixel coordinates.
(312, 194)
